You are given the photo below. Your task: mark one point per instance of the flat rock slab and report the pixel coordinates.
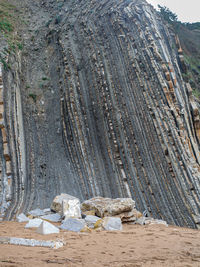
(36, 213)
(55, 217)
(104, 207)
(34, 223)
(30, 242)
(75, 225)
(47, 228)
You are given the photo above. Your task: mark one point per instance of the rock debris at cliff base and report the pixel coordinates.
(95, 104)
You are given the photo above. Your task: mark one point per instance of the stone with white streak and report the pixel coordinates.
(30, 242)
(71, 208)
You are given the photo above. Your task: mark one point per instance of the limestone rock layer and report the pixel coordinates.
(95, 105)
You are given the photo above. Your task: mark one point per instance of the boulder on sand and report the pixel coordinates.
(66, 205)
(75, 225)
(47, 228)
(104, 207)
(71, 208)
(91, 220)
(112, 224)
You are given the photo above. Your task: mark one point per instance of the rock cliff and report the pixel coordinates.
(95, 105)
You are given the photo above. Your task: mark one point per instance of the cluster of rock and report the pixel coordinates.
(97, 213)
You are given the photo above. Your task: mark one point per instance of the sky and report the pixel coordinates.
(186, 10)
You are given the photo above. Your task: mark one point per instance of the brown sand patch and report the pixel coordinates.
(135, 246)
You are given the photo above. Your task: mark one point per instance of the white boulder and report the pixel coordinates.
(66, 205)
(47, 228)
(71, 208)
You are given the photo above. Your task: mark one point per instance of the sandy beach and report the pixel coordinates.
(135, 246)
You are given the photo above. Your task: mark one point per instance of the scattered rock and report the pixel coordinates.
(34, 223)
(67, 206)
(36, 213)
(112, 224)
(55, 217)
(46, 228)
(91, 220)
(75, 225)
(22, 218)
(149, 220)
(155, 221)
(107, 206)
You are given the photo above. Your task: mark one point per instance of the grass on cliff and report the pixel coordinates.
(9, 23)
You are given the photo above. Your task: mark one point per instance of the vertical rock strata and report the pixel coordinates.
(114, 118)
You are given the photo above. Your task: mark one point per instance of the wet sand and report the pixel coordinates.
(135, 246)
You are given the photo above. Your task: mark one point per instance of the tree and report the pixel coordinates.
(167, 14)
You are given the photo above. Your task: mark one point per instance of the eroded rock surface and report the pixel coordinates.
(95, 104)
(108, 207)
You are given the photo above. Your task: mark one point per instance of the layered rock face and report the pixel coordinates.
(95, 105)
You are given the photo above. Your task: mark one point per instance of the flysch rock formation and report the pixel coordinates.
(95, 105)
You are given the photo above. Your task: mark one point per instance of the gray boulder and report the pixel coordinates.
(112, 224)
(75, 225)
(47, 228)
(91, 220)
(22, 218)
(34, 223)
